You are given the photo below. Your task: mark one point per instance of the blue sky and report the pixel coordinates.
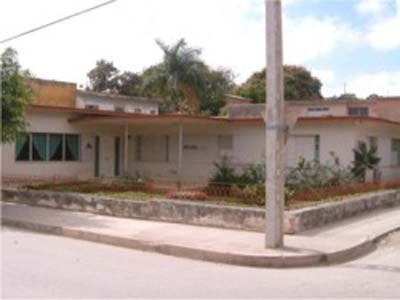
(352, 42)
(376, 51)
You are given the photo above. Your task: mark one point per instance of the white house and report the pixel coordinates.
(76, 135)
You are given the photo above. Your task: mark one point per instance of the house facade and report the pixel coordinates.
(79, 135)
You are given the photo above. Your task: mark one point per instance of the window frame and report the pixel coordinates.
(47, 158)
(359, 110)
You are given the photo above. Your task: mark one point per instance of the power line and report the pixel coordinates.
(57, 21)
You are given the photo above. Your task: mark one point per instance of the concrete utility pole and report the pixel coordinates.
(275, 128)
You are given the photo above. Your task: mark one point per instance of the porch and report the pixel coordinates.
(168, 151)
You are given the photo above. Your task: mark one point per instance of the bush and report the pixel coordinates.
(253, 174)
(312, 174)
(224, 173)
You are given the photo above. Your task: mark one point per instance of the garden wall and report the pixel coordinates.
(204, 214)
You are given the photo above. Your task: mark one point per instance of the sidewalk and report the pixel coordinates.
(332, 244)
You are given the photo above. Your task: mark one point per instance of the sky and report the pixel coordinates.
(351, 45)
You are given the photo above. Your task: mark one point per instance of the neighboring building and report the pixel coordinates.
(109, 102)
(84, 135)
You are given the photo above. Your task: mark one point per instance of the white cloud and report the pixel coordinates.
(373, 7)
(231, 33)
(309, 38)
(383, 34)
(328, 80)
(383, 83)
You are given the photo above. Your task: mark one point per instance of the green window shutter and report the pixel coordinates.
(71, 147)
(56, 147)
(39, 146)
(22, 148)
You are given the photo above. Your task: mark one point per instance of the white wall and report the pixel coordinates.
(385, 133)
(50, 122)
(146, 107)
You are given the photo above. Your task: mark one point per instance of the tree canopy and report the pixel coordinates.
(180, 77)
(103, 77)
(185, 82)
(15, 96)
(299, 84)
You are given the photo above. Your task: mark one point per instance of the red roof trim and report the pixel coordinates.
(346, 118)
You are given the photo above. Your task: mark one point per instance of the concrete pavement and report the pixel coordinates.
(332, 244)
(46, 266)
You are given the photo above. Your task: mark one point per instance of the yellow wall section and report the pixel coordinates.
(53, 93)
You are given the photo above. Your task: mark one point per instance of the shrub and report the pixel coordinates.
(224, 173)
(187, 195)
(312, 174)
(253, 174)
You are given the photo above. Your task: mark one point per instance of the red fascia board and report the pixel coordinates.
(346, 118)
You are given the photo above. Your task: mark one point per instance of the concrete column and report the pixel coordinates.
(126, 150)
(180, 154)
(275, 128)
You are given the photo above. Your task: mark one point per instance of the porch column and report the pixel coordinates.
(180, 153)
(126, 150)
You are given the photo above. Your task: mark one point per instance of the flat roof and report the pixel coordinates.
(116, 96)
(92, 116)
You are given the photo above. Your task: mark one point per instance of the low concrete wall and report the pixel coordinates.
(204, 214)
(323, 214)
(161, 210)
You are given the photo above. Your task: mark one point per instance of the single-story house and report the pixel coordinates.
(79, 135)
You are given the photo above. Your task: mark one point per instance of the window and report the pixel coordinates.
(138, 148)
(373, 142)
(318, 111)
(48, 147)
(317, 147)
(225, 145)
(137, 111)
(71, 147)
(22, 148)
(56, 146)
(119, 108)
(395, 147)
(39, 146)
(91, 106)
(358, 111)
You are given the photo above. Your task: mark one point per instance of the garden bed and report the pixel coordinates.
(219, 195)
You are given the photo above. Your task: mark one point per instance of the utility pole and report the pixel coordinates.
(275, 128)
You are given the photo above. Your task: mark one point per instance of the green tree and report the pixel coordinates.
(103, 77)
(217, 84)
(299, 84)
(128, 84)
(179, 78)
(365, 158)
(15, 96)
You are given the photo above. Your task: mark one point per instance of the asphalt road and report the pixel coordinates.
(44, 266)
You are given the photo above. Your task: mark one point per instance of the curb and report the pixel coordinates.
(261, 261)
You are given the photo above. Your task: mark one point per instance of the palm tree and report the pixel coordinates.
(179, 77)
(365, 158)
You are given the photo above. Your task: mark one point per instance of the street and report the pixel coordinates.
(45, 266)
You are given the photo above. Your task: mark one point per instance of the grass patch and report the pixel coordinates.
(131, 195)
